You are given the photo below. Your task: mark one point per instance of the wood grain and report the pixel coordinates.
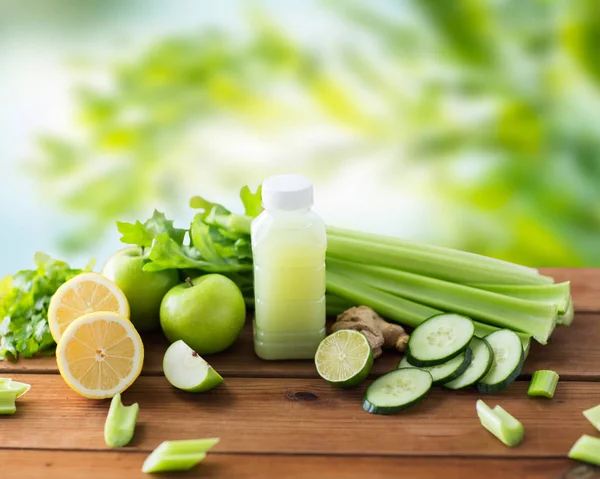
(265, 415)
(122, 465)
(573, 353)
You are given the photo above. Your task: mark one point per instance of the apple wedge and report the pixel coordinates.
(185, 369)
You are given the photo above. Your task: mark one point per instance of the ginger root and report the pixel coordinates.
(379, 333)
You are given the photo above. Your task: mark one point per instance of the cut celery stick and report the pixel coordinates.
(428, 260)
(558, 293)
(500, 423)
(566, 319)
(178, 455)
(189, 446)
(7, 402)
(586, 449)
(120, 422)
(391, 307)
(543, 383)
(18, 388)
(537, 319)
(593, 415)
(165, 463)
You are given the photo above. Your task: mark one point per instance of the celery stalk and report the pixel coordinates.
(336, 305)
(7, 402)
(394, 308)
(543, 383)
(537, 319)
(500, 423)
(593, 415)
(566, 318)
(438, 262)
(558, 293)
(387, 305)
(586, 449)
(178, 455)
(120, 422)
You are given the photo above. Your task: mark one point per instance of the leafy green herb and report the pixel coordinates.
(24, 300)
(144, 234)
(219, 241)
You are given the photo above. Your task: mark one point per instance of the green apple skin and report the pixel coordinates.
(144, 290)
(208, 315)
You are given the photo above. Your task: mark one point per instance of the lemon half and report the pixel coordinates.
(83, 294)
(100, 354)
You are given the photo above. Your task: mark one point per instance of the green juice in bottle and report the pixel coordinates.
(288, 244)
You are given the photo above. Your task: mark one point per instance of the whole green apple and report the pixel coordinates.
(207, 313)
(144, 290)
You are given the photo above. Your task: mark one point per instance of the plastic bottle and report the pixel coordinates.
(288, 243)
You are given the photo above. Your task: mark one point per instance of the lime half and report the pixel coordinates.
(344, 358)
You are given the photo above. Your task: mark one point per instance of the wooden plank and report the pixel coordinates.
(123, 465)
(264, 415)
(572, 352)
(585, 286)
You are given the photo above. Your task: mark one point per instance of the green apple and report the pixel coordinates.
(208, 313)
(185, 369)
(144, 290)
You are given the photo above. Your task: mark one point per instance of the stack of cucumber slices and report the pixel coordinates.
(445, 351)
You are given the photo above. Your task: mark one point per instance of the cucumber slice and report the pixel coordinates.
(397, 390)
(508, 361)
(439, 339)
(443, 373)
(479, 367)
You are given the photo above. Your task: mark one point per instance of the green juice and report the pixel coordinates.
(289, 244)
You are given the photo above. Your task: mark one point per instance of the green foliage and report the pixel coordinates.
(214, 246)
(527, 70)
(24, 300)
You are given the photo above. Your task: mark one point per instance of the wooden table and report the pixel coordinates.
(279, 419)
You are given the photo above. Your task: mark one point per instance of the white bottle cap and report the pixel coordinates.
(287, 192)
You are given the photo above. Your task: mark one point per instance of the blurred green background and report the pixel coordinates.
(471, 124)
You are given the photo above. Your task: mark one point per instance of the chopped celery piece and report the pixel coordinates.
(18, 388)
(165, 463)
(500, 423)
(543, 383)
(593, 415)
(568, 316)
(558, 293)
(586, 449)
(178, 455)
(7, 402)
(531, 317)
(120, 422)
(428, 260)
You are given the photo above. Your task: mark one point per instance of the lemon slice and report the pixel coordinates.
(100, 354)
(83, 294)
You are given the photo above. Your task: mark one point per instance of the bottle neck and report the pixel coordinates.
(287, 213)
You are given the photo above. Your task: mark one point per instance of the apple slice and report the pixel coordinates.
(186, 370)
